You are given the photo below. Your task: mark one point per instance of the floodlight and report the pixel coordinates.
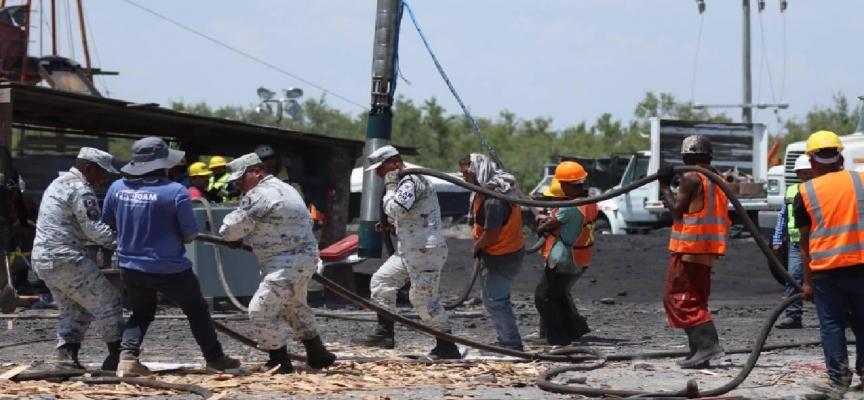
(294, 110)
(293, 93)
(265, 94)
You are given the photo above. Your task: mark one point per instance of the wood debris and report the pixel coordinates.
(380, 375)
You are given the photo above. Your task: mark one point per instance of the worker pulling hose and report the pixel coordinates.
(755, 352)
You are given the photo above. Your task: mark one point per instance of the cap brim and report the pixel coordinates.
(374, 166)
(235, 176)
(110, 168)
(174, 158)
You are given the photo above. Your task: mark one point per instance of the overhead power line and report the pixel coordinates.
(247, 55)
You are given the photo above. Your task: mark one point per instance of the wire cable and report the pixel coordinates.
(696, 59)
(452, 89)
(247, 55)
(69, 29)
(767, 62)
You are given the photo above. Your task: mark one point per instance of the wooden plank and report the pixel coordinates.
(6, 118)
(339, 172)
(14, 371)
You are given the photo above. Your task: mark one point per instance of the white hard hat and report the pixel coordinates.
(802, 162)
(264, 151)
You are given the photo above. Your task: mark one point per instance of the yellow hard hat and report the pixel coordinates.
(823, 140)
(199, 169)
(570, 171)
(217, 161)
(554, 190)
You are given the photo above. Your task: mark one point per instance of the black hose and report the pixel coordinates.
(467, 289)
(773, 262)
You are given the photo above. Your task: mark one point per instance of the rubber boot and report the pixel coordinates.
(113, 359)
(278, 357)
(707, 345)
(693, 349)
(67, 355)
(580, 326)
(317, 356)
(383, 336)
(445, 350)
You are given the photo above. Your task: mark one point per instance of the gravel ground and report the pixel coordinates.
(629, 270)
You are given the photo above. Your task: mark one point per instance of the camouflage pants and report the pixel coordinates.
(281, 301)
(423, 268)
(83, 295)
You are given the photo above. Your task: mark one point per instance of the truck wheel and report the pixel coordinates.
(602, 227)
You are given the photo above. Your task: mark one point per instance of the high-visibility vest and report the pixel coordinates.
(510, 239)
(835, 203)
(794, 233)
(221, 183)
(584, 243)
(703, 232)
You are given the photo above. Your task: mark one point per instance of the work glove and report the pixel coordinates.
(391, 180)
(665, 175)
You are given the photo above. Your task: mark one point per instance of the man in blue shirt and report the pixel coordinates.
(154, 220)
(786, 228)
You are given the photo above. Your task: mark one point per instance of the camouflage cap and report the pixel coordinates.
(237, 167)
(99, 157)
(379, 156)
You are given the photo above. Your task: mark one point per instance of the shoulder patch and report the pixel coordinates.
(245, 202)
(92, 207)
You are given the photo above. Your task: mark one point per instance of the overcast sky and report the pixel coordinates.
(564, 59)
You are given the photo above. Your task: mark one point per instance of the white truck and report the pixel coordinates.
(740, 153)
(781, 176)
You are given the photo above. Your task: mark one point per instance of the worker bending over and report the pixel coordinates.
(69, 218)
(567, 253)
(154, 220)
(498, 241)
(829, 213)
(279, 227)
(698, 238)
(786, 228)
(413, 205)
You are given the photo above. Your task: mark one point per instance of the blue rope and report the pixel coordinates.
(453, 90)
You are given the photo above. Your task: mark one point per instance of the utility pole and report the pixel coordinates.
(380, 123)
(747, 110)
(747, 88)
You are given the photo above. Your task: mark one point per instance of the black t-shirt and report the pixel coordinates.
(802, 217)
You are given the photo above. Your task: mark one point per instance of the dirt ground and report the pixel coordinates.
(629, 270)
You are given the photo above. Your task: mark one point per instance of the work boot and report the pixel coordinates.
(382, 338)
(278, 357)
(113, 359)
(707, 344)
(67, 355)
(445, 350)
(693, 349)
(317, 356)
(132, 368)
(580, 327)
(223, 363)
(789, 323)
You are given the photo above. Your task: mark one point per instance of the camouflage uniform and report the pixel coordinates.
(421, 252)
(69, 219)
(279, 227)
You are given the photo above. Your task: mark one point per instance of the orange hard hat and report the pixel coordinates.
(570, 171)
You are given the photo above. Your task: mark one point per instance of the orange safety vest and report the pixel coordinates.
(703, 232)
(833, 202)
(584, 243)
(510, 239)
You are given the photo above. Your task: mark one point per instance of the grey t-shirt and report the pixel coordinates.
(493, 214)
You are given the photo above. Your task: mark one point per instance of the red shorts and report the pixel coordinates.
(685, 296)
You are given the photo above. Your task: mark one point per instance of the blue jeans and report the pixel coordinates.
(497, 274)
(835, 298)
(796, 269)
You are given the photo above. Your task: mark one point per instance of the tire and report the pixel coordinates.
(602, 227)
